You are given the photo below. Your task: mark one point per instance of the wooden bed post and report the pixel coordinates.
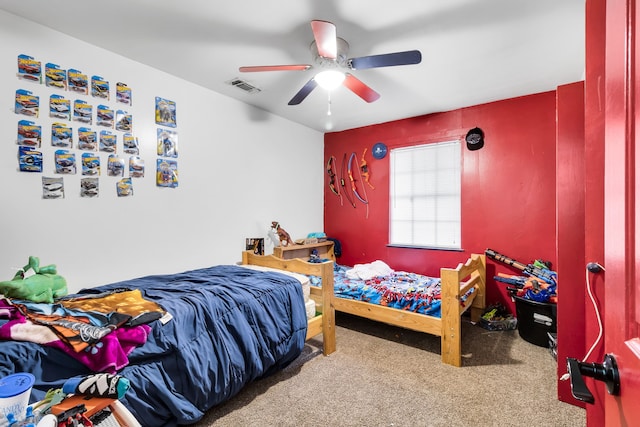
(450, 316)
(479, 302)
(328, 310)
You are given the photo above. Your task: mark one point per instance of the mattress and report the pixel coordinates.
(305, 282)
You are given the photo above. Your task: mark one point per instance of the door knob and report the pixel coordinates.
(606, 371)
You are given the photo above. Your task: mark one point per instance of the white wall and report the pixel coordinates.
(233, 180)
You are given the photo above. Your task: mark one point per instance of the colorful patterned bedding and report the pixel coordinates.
(399, 289)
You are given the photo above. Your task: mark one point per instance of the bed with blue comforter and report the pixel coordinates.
(228, 326)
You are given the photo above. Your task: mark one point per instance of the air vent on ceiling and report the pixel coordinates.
(244, 85)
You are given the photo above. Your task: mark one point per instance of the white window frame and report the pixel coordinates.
(425, 196)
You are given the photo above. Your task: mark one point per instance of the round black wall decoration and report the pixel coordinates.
(475, 139)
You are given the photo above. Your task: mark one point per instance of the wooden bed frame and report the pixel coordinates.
(455, 282)
(324, 322)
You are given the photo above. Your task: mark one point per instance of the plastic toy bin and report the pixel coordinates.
(535, 320)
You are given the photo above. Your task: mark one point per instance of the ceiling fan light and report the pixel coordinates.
(329, 79)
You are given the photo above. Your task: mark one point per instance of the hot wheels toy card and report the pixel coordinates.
(87, 139)
(130, 144)
(78, 82)
(99, 87)
(54, 76)
(108, 142)
(27, 103)
(89, 187)
(52, 188)
(29, 69)
(124, 187)
(29, 133)
(82, 112)
(124, 121)
(65, 162)
(123, 93)
(90, 164)
(29, 160)
(115, 166)
(59, 107)
(136, 167)
(61, 135)
(105, 116)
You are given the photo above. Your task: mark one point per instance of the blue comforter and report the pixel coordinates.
(230, 326)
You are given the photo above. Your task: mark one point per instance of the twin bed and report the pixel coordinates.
(226, 326)
(222, 327)
(437, 312)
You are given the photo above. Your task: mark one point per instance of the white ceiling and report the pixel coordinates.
(473, 51)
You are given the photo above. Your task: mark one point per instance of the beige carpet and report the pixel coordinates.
(387, 376)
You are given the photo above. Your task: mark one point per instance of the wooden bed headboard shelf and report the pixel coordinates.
(468, 278)
(325, 250)
(324, 323)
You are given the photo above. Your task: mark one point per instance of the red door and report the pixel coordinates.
(621, 210)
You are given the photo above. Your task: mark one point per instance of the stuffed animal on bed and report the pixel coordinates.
(284, 237)
(35, 283)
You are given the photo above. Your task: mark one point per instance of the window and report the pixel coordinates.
(425, 196)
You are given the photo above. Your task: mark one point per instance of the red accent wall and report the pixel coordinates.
(508, 187)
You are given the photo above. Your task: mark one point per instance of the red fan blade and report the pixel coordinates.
(362, 90)
(251, 69)
(324, 33)
(302, 93)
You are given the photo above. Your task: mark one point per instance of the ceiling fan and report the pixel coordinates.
(329, 54)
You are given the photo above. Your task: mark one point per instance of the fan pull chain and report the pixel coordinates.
(329, 103)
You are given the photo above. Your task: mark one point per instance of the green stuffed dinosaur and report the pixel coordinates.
(41, 285)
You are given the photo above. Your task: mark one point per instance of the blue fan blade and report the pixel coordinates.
(386, 60)
(302, 93)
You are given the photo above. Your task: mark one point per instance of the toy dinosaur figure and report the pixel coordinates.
(285, 238)
(42, 285)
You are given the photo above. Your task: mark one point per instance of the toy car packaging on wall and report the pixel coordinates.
(82, 111)
(29, 160)
(90, 164)
(89, 187)
(130, 144)
(65, 162)
(54, 76)
(27, 103)
(52, 188)
(99, 87)
(108, 142)
(123, 93)
(59, 107)
(61, 135)
(78, 82)
(136, 167)
(165, 112)
(167, 143)
(166, 173)
(115, 166)
(87, 139)
(29, 133)
(105, 116)
(124, 121)
(124, 187)
(29, 69)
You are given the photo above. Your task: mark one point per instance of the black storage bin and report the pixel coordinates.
(535, 320)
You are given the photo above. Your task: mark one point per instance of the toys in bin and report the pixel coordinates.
(497, 318)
